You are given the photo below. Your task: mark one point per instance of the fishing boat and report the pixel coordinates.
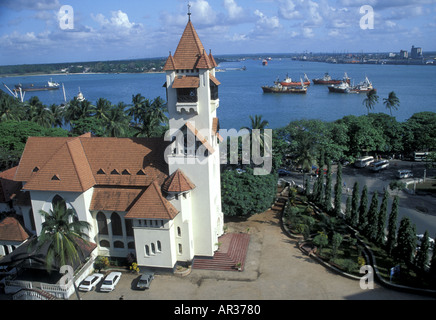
(363, 87)
(49, 86)
(279, 88)
(343, 87)
(327, 79)
(264, 62)
(288, 82)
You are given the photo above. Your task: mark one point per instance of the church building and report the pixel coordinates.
(156, 198)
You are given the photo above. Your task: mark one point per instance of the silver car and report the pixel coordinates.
(144, 281)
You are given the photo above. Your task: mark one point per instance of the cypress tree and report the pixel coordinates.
(348, 209)
(363, 217)
(328, 187)
(406, 240)
(422, 254)
(433, 261)
(392, 227)
(338, 191)
(354, 215)
(382, 218)
(370, 229)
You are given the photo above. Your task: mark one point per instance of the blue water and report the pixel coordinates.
(241, 95)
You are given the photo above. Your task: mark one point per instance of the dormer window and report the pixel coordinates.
(101, 171)
(36, 169)
(115, 171)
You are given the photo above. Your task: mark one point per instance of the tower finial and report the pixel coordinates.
(189, 11)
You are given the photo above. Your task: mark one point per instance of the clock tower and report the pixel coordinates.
(192, 96)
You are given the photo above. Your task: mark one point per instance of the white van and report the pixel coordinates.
(363, 162)
(379, 165)
(403, 174)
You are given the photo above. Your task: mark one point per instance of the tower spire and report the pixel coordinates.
(189, 11)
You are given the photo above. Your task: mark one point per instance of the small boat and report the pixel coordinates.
(288, 82)
(265, 62)
(327, 79)
(80, 96)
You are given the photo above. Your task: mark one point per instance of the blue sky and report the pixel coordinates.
(30, 30)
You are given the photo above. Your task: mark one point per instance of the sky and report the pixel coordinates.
(43, 31)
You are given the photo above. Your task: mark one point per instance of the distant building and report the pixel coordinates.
(404, 54)
(416, 53)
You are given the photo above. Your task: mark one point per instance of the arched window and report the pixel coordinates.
(117, 229)
(179, 232)
(119, 244)
(153, 248)
(159, 246)
(105, 244)
(147, 250)
(102, 224)
(180, 248)
(58, 202)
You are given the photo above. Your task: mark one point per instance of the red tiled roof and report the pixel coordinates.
(77, 164)
(8, 187)
(114, 199)
(152, 205)
(11, 230)
(186, 82)
(190, 53)
(177, 183)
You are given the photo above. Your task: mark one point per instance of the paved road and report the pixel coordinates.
(275, 270)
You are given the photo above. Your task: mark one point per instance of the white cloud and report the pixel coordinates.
(265, 22)
(233, 10)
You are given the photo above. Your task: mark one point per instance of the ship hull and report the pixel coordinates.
(287, 90)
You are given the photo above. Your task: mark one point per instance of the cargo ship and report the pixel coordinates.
(49, 86)
(279, 88)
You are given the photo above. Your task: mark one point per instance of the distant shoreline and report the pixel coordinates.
(16, 75)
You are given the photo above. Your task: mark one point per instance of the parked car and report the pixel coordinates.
(110, 281)
(90, 282)
(144, 281)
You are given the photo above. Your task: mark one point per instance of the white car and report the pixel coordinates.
(110, 282)
(90, 282)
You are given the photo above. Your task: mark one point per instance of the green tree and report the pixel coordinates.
(382, 215)
(371, 100)
(116, 122)
(422, 256)
(372, 225)
(392, 227)
(363, 208)
(321, 240)
(392, 102)
(338, 191)
(328, 187)
(406, 240)
(354, 216)
(336, 243)
(102, 108)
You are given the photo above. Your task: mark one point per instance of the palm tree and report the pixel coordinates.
(136, 111)
(61, 232)
(102, 108)
(258, 124)
(116, 122)
(57, 115)
(392, 102)
(77, 110)
(149, 117)
(370, 100)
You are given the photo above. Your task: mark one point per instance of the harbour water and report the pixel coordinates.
(241, 95)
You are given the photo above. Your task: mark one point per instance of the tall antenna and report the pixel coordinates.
(189, 11)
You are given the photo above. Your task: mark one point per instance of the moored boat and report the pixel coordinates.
(363, 87)
(279, 88)
(288, 82)
(49, 86)
(343, 87)
(327, 79)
